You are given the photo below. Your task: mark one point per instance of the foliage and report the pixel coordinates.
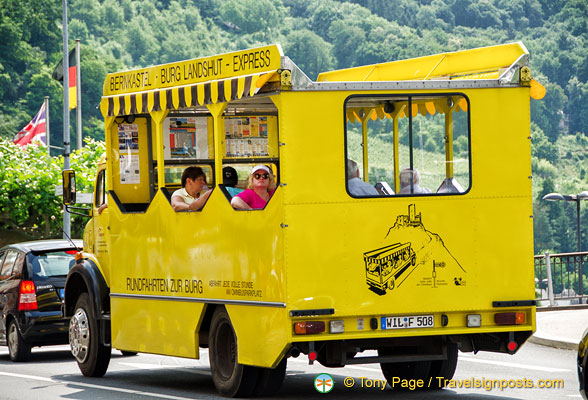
(28, 176)
(318, 36)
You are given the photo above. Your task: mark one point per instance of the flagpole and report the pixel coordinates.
(66, 135)
(47, 137)
(78, 95)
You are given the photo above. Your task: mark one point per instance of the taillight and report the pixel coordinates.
(309, 327)
(28, 297)
(71, 251)
(510, 318)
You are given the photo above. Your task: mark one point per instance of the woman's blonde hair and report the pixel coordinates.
(270, 187)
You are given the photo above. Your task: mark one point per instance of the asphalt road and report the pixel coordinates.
(53, 374)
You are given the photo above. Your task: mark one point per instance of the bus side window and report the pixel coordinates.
(417, 145)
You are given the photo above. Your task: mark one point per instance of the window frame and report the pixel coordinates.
(409, 97)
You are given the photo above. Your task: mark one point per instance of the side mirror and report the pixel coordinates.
(69, 186)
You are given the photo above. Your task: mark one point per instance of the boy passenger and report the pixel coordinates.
(261, 185)
(189, 197)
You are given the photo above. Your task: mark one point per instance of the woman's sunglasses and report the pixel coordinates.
(261, 176)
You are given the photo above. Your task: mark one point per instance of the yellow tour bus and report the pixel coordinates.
(389, 219)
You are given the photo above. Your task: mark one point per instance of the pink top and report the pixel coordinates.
(252, 199)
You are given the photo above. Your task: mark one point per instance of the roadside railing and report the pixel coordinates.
(558, 280)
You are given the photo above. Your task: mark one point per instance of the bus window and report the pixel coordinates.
(251, 143)
(424, 151)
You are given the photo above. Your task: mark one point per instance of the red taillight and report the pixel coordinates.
(71, 251)
(28, 297)
(309, 327)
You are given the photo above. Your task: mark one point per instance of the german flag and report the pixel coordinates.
(58, 75)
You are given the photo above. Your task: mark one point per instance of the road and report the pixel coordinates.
(53, 374)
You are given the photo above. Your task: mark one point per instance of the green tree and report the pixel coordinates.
(310, 52)
(28, 203)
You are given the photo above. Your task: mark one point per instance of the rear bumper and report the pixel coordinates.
(44, 328)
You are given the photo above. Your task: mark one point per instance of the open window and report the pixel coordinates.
(251, 139)
(407, 145)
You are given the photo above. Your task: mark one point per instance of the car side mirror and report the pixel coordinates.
(69, 186)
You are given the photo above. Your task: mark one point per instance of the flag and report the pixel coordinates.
(34, 132)
(58, 75)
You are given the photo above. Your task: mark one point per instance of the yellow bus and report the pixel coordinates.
(431, 154)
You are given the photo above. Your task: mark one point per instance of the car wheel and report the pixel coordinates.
(18, 349)
(230, 378)
(84, 339)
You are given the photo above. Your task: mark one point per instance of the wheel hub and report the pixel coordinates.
(79, 335)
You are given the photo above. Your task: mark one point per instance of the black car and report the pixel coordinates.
(583, 363)
(32, 278)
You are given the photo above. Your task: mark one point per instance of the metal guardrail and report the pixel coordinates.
(558, 280)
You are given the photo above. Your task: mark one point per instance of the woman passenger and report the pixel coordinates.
(261, 184)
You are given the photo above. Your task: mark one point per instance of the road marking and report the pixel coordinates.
(375, 369)
(508, 364)
(89, 385)
(160, 366)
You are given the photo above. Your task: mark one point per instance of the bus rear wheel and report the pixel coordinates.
(270, 380)
(443, 370)
(405, 371)
(230, 378)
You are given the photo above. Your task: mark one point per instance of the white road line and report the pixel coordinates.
(508, 364)
(161, 366)
(89, 385)
(374, 369)
(461, 358)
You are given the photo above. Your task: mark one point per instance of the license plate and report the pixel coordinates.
(408, 321)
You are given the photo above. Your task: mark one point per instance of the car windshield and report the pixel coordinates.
(52, 264)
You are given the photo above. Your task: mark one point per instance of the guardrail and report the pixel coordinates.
(557, 278)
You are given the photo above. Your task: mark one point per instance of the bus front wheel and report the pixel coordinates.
(230, 378)
(85, 340)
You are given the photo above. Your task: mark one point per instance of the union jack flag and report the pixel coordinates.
(34, 132)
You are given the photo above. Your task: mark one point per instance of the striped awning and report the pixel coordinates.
(424, 107)
(210, 92)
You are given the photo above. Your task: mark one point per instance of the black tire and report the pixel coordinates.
(128, 353)
(404, 370)
(230, 378)
(85, 341)
(270, 380)
(444, 368)
(18, 349)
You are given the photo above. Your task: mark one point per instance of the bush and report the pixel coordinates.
(28, 176)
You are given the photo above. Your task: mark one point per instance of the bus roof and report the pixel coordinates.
(244, 74)
(479, 63)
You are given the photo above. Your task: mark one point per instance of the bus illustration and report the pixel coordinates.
(385, 265)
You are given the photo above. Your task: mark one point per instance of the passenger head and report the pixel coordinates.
(352, 169)
(193, 173)
(261, 176)
(230, 177)
(407, 176)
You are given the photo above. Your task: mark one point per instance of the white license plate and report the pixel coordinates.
(408, 321)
